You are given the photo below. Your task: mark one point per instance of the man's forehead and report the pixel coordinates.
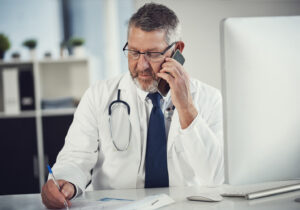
(138, 38)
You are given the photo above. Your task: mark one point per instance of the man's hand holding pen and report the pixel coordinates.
(57, 193)
(53, 197)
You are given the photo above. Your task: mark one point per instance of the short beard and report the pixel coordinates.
(151, 88)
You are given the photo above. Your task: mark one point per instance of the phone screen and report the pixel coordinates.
(163, 85)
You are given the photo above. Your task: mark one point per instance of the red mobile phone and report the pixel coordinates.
(163, 86)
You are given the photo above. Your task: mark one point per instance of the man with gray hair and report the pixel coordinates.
(128, 132)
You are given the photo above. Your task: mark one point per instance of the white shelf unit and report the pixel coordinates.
(53, 79)
(72, 81)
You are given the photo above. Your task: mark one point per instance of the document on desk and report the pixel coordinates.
(147, 203)
(105, 204)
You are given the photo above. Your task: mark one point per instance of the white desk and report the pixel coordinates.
(283, 201)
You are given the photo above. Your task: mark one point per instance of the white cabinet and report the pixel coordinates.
(52, 81)
(63, 78)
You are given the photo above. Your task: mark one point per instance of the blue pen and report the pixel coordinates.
(53, 178)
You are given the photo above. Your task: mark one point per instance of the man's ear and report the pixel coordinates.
(180, 46)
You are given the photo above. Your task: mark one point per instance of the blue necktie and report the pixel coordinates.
(156, 168)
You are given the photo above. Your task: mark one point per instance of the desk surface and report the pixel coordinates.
(283, 201)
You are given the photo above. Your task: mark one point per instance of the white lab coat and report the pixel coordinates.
(195, 154)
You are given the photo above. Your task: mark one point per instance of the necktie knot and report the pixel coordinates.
(155, 98)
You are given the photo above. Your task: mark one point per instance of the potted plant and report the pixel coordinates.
(16, 56)
(77, 46)
(4, 45)
(31, 45)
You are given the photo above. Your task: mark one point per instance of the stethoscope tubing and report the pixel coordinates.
(169, 115)
(110, 123)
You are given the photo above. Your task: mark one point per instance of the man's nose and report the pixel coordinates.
(143, 63)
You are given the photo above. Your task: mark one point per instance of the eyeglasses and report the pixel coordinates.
(150, 56)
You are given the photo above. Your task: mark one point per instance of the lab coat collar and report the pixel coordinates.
(126, 82)
(192, 86)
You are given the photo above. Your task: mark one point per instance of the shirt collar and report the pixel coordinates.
(143, 95)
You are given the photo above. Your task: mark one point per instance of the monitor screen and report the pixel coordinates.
(261, 90)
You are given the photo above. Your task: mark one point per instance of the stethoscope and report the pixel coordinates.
(110, 121)
(168, 115)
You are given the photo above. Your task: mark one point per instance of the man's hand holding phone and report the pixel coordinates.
(175, 75)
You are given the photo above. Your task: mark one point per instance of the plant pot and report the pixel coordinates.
(32, 53)
(64, 53)
(79, 51)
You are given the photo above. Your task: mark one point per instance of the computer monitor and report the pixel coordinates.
(261, 90)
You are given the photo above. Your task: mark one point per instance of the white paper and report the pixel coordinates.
(149, 203)
(94, 205)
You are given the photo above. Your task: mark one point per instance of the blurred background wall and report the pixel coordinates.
(21, 20)
(103, 25)
(200, 28)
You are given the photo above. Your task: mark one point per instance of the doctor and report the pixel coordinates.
(126, 135)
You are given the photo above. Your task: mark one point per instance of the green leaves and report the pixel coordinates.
(4, 43)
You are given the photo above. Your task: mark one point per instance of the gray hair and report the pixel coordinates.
(151, 17)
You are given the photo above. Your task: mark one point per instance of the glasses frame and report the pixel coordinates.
(147, 53)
